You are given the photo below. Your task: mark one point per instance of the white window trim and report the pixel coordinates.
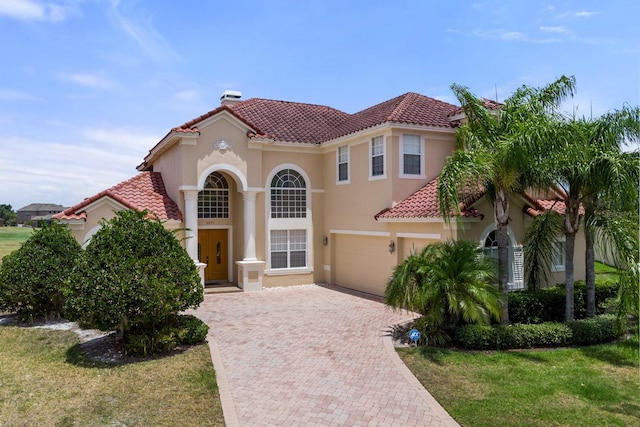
(288, 224)
(348, 180)
(384, 159)
(422, 174)
(290, 270)
(558, 268)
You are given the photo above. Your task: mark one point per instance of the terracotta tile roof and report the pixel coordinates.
(424, 204)
(144, 191)
(538, 206)
(488, 103)
(315, 124)
(410, 108)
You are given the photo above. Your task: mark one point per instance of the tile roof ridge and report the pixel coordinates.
(282, 101)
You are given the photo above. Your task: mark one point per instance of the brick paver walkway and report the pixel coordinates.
(312, 356)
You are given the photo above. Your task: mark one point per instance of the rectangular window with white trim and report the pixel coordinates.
(558, 256)
(412, 157)
(288, 249)
(376, 166)
(343, 164)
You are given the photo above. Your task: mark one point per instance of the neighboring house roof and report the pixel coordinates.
(39, 207)
(144, 191)
(424, 204)
(316, 124)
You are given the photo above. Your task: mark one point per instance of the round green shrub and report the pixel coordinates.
(133, 277)
(182, 329)
(32, 277)
(594, 330)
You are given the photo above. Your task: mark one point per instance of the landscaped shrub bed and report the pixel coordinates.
(548, 305)
(549, 334)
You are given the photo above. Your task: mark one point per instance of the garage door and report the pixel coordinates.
(362, 263)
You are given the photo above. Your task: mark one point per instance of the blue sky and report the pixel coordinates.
(87, 87)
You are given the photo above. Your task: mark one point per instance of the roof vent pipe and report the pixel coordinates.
(230, 97)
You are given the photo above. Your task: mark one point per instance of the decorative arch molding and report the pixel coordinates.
(291, 166)
(237, 175)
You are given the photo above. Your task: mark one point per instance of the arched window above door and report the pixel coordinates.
(213, 199)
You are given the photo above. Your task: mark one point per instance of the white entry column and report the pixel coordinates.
(250, 270)
(191, 226)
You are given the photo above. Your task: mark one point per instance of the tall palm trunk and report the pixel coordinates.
(569, 278)
(589, 253)
(571, 223)
(501, 213)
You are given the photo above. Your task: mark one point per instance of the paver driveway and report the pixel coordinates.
(312, 356)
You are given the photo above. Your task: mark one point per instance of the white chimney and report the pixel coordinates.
(230, 97)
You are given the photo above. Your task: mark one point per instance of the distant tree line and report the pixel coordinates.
(7, 215)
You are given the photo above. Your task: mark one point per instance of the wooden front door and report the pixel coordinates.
(214, 252)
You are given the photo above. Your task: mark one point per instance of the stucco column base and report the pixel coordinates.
(250, 274)
(201, 266)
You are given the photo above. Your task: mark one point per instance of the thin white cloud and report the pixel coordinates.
(90, 80)
(142, 30)
(187, 95)
(15, 95)
(34, 10)
(585, 14)
(22, 9)
(512, 35)
(47, 171)
(561, 30)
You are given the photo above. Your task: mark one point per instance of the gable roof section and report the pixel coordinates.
(410, 108)
(144, 191)
(316, 124)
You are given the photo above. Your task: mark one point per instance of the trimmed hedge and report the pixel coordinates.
(550, 334)
(548, 305)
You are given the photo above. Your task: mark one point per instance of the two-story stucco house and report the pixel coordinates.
(275, 193)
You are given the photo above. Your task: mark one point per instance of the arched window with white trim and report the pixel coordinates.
(213, 199)
(289, 221)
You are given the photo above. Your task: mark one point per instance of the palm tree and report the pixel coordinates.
(585, 160)
(446, 282)
(493, 151)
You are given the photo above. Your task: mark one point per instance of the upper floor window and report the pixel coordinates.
(411, 156)
(213, 200)
(377, 157)
(288, 195)
(343, 164)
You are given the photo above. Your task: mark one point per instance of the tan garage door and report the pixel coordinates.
(362, 263)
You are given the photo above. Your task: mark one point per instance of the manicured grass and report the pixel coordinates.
(44, 381)
(586, 386)
(604, 271)
(11, 238)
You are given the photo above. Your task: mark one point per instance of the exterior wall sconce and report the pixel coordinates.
(325, 240)
(392, 246)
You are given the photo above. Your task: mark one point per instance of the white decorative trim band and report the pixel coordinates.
(432, 236)
(362, 233)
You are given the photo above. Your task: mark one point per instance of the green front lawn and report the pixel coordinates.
(586, 386)
(11, 238)
(44, 381)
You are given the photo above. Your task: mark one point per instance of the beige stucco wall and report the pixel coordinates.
(343, 213)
